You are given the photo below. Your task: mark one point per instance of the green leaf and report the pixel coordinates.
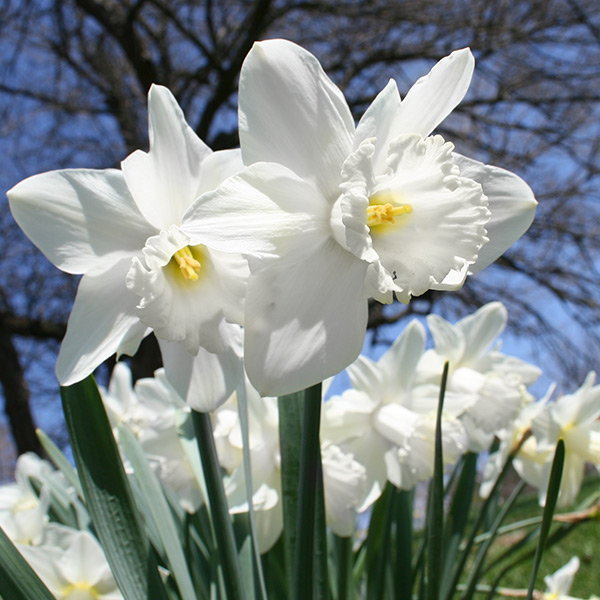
(458, 517)
(378, 543)
(477, 566)
(107, 494)
(159, 510)
(551, 498)
(19, 580)
(435, 508)
(60, 460)
(483, 512)
(219, 510)
(403, 519)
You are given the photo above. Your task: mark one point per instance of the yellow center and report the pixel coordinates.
(80, 591)
(381, 211)
(188, 265)
(28, 502)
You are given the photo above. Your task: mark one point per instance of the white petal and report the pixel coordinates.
(511, 203)
(449, 341)
(365, 375)
(306, 316)
(84, 561)
(165, 180)
(560, 581)
(347, 417)
(103, 316)
(292, 113)
(251, 211)
(500, 400)
(583, 406)
(217, 167)
(433, 97)
(81, 219)
(399, 363)
(379, 122)
(481, 328)
(344, 481)
(369, 451)
(206, 380)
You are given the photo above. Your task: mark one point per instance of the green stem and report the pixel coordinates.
(344, 564)
(435, 505)
(290, 440)
(309, 485)
(219, 510)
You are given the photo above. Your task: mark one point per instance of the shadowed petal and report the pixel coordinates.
(206, 380)
(511, 203)
(306, 317)
(103, 318)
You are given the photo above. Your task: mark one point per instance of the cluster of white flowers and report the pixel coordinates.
(386, 421)
(68, 559)
(379, 430)
(572, 418)
(272, 251)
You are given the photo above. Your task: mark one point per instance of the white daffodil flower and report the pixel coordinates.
(124, 231)
(558, 585)
(344, 482)
(22, 512)
(574, 419)
(76, 571)
(332, 214)
(153, 411)
(146, 410)
(485, 388)
(382, 423)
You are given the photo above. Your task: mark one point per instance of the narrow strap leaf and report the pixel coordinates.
(244, 426)
(378, 543)
(458, 517)
(19, 580)
(160, 513)
(107, 494)
(551, 498)
(476, 568)
(309, 487)
(435, 508)
(60, 460)
(222, 526)
(403, 517)
(483, 511)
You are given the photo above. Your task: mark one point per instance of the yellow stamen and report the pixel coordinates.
(187, 263)
(377, 214)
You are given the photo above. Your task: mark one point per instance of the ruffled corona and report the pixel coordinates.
(178, 299)
(415, 221)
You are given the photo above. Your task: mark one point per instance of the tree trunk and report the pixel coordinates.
(16, 397)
